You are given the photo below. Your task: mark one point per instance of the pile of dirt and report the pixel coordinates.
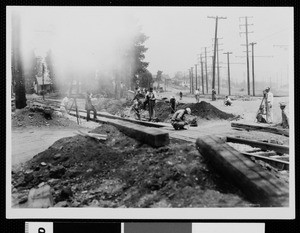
(113, 106)
(28, 117)
(121, 172)
(202, 110)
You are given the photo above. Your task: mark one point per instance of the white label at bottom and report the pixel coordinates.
(39, 227)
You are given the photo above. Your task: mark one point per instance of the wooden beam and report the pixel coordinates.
(281, 164)
(261, 127)
(259, 185)
(265, 146)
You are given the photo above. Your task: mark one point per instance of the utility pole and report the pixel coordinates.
(228, 65)
(247, 49)
(253, 80)
(218, 64)
(206, 77)
(192, 78)
(196, 76)
(215, 47)
(202, 78)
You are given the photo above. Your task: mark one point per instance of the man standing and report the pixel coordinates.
(180, 95)
(178, 119)
(89, 106)
(285, 118)
(197, 93)
(173, 104)
(151, 97)
(269, 105)
(214, 94)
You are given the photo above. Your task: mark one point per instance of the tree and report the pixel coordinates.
(158, 78)
(30, 71)
(17, 69)
(50, 68)
(139, 49)
(145, 79)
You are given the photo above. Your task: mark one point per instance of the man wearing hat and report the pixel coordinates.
(269, 105)
(178, 119)
(285, 118)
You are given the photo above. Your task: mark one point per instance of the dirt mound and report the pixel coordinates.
(112, 106)
(26, 117)
(202, 110)
(122, 172)
(207, 111)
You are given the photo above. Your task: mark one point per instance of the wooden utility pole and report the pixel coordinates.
(218, 64)
(17, 68)
(228, 65)
(192, 78)
(253, 80)
(206, 77)
(247, 49)
(43, 78)
(202, 78)
(215, 47)
(196, 77)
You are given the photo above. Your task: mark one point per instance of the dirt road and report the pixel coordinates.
(29, 141)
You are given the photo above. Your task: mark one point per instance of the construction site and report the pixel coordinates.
(93, 136)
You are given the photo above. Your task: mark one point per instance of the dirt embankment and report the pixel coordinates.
(202, 110)
(121, 172)
(33, 117)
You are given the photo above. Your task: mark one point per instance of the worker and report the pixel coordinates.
(269, 105)
(151, 97)
(136, 108)
(285, 118)
(173, 104)
(259, 116)
(227, 101)
(180, 95)
(178, 120)
(64, 105)
(214, 94)
(197, 95)
(89, 106)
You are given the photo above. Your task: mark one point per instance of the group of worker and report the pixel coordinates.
(146, 99)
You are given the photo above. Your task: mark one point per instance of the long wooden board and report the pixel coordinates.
(265, 146)
(261, 127)
(259, 185)
(281, 164)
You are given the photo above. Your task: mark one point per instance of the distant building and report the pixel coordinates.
(39, 85)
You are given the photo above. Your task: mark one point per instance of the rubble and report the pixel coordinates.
(121, 172)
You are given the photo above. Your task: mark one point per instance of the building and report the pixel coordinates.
(39, 85)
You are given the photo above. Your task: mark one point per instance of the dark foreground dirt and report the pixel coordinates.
(121, 172)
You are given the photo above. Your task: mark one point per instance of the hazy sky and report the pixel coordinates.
(176, 35)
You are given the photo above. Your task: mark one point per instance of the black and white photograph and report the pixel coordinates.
(150, 112)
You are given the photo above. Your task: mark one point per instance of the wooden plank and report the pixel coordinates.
(265, 146)
(281, 164)
(261, 127)
(259, 185)
(145, 123)
(151, 136)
